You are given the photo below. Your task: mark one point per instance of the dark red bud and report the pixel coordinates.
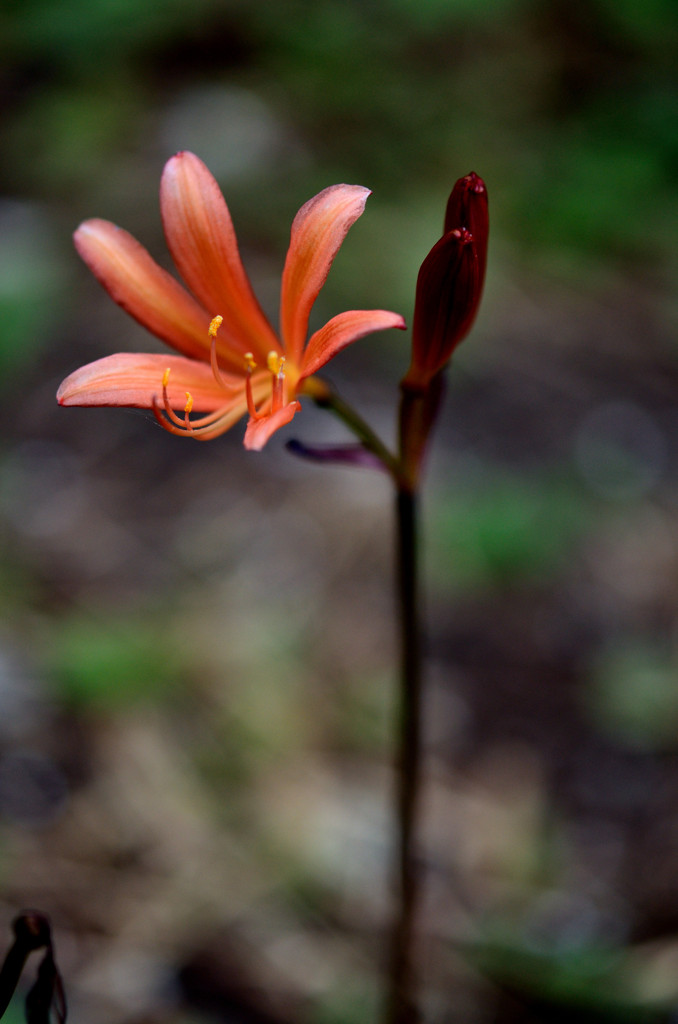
(467, 208)
(450, 282)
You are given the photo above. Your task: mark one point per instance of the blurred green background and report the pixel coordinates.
(197, 644)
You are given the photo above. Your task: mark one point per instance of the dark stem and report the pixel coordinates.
(401, 1002)
(417, 414)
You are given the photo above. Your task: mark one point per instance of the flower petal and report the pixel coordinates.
(134, 380)
(135, 281)
(260, 430)
(202, 241)
(317, 233)
(341, 331)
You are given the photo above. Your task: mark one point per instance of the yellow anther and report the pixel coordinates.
(189, 402)
(275, 363)
(165, 377)
(215, 325)
(249, 361)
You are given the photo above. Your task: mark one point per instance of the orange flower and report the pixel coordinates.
(231, 360)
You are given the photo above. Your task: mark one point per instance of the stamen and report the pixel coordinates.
(166, 402)
(204, 421)
(215, 325)
(204, 429)
(250, 365)
(274, 362)
(214, 362)
(276, 365)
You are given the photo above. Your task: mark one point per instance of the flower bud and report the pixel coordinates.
(467, 207)
(450, 282)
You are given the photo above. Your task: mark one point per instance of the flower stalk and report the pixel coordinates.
(401, 992)
(448, 294)
(449, 288)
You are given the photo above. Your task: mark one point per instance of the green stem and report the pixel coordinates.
(326, 397)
